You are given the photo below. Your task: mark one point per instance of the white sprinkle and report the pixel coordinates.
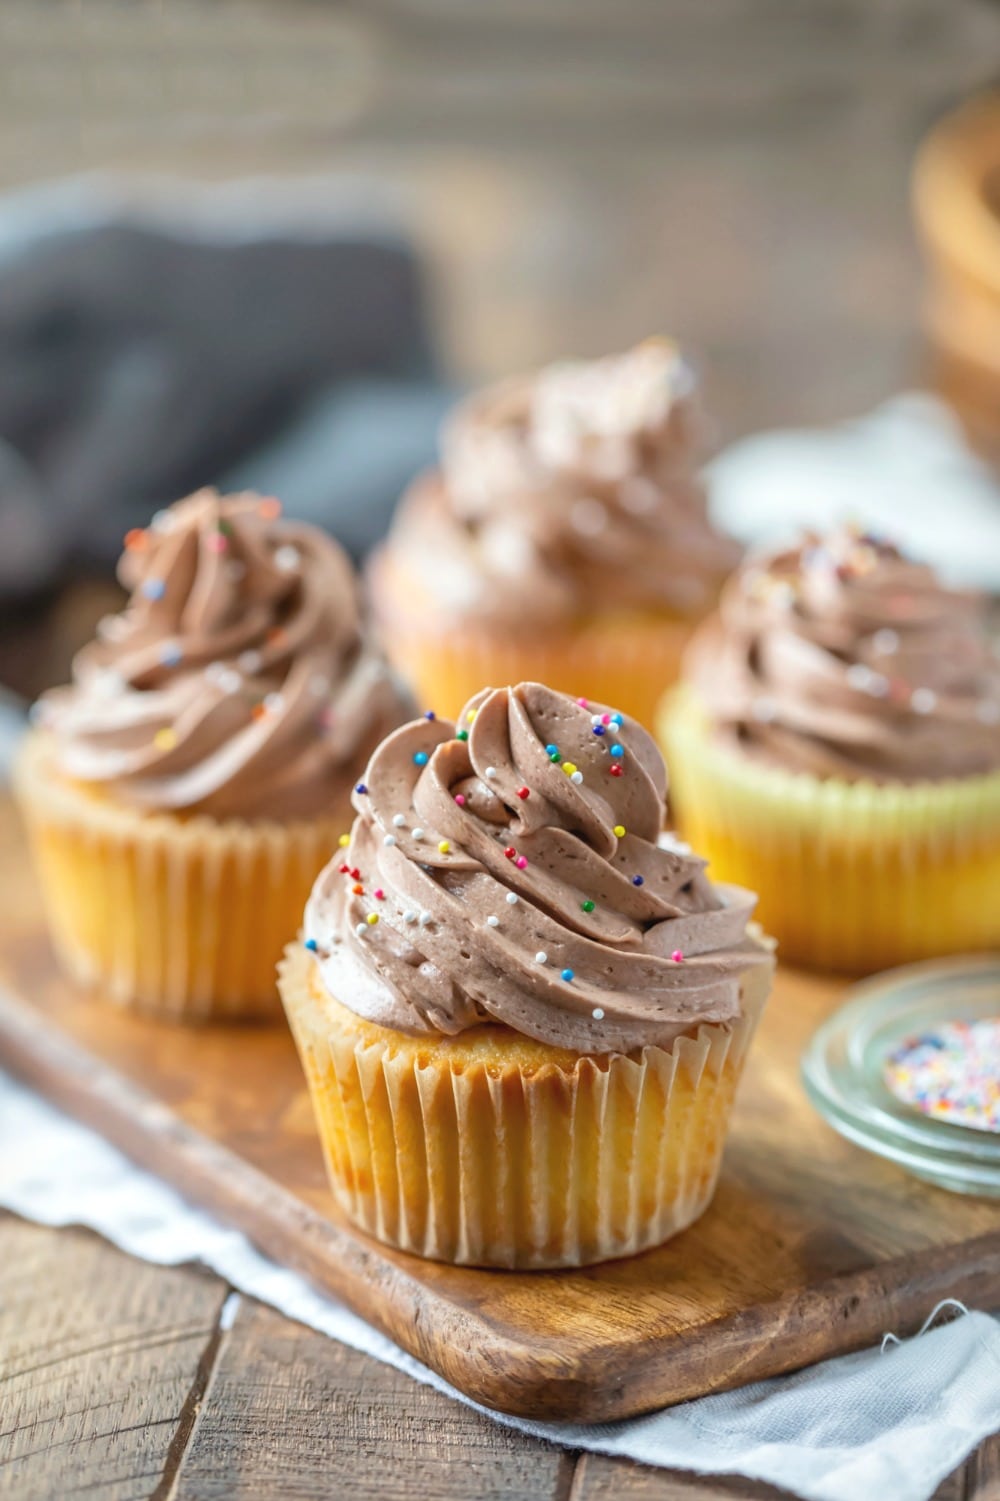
(287, 558)
(235, 570)
(319, 685)
(249, 661)
(859, 676)
(541, 957)
(418, 833)
(763, 710)
(576, 778)
(493, 922)
(409, 917)
(512, 898)
(425, 919)
(361, 929)
(885, 642)
(399, 820)
(988, 712)
(107, 682)
(595, 718)
(491, 772)
(613, 729)
(229, 680)
(597, 1014)
(389, 840)
(589, 517)
(162, 521)
(273, 702)
(923, 700)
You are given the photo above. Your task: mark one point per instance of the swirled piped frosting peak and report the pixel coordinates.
(567, 492)
(238, 680)
(511, 869)
(840, 657)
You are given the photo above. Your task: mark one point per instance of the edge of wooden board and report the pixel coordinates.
(385, 1287)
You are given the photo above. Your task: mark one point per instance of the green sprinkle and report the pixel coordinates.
(587, 906)
(461, 734)
(555, 757)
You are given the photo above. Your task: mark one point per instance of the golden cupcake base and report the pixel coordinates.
(182, 918)
(491, 1149)
(851, 876)
(625, 659)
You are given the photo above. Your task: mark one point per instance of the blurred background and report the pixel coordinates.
(265, 244)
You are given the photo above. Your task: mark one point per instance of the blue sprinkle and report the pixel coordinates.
(618, 751)
(361, 788)
(170, 654)
(617, 719)
(599, 729)
(552, 750)
(567, 974)
(154, 588)
(429, 714)
(637, 881)
(312, 945)
(421, 758)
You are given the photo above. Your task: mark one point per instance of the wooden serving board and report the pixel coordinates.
(811, 1248)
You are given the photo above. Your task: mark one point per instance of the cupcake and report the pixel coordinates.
(837, 744)
(564, 537)
(522, 1016)
(182, 793)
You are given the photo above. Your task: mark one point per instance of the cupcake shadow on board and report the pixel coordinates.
(182, 792)
(564, 538)
(522, 1015)
(837, 744)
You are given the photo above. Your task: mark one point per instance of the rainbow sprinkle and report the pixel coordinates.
(951, 1074)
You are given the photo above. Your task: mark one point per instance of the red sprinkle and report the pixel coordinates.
(358, 889)
(345, 870)
(521, 862)
(616, 770)
(510, 852)
(460, 799)
(523, 792)
(355, 874)
(378, 894)
(677, 956)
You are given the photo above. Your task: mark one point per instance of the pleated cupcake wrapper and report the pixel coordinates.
(625, 661)
(182, 918)
(505, 1166)
(855, 876)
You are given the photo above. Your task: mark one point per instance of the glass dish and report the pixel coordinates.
(842, 1070)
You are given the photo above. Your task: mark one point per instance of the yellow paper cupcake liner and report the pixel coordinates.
(625, 659)
(851, 876)
(182, 918)
(490, 1149)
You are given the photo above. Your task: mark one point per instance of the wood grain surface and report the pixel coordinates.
(811, 1247)
(116, 1380)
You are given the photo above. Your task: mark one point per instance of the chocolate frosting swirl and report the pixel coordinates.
(568, 491)
(238, 680)
(840, 657)
(516, 875)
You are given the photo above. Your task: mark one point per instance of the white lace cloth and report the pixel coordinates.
(862, 1428)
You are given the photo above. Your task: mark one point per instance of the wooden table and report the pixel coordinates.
(117, 1380)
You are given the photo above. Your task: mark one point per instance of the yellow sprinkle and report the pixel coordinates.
(344, 839)
(444, 847)
(165, 739)
(470, 715)
(568, 768)
(372, 919)
(619, 831)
